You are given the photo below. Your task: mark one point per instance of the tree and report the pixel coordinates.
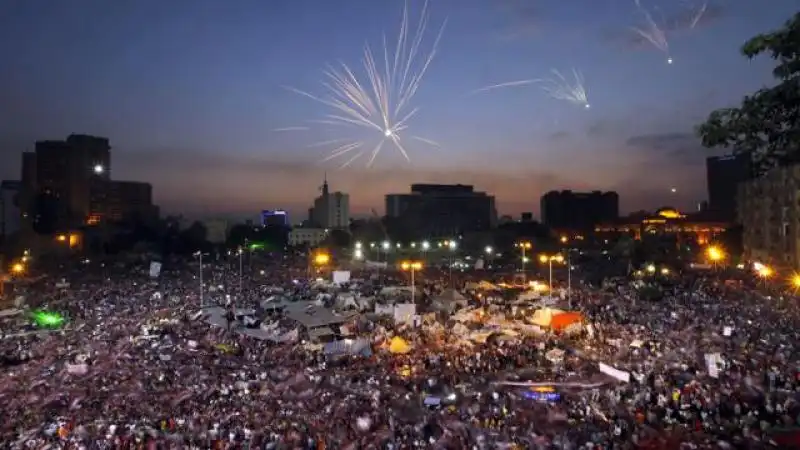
(767, 124)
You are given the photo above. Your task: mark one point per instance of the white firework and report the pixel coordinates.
(652, 32)
(380, 102)
(571, 91)
(557, 87)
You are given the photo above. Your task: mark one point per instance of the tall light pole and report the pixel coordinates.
(549, 260)
(569, 281)
(452, 246)
(241, 273)
(199, 254)
(524, 246)
(412, 266)
(425, 247)
(489, 251)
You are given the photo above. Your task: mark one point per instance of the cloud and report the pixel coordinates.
(559, 136)
(683, 148)
(219, 184)
(521, 19)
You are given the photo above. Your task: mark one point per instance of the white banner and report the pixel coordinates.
(620, 375)
(155, 269)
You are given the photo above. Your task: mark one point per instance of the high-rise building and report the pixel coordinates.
(10, 213)
(568, 210)
(131, 201)
(769, 212)
(331, 209)
(274, 217)
(723, 175)
(71, 177)
(442, 210)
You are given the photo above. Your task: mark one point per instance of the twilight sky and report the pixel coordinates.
(191, 93)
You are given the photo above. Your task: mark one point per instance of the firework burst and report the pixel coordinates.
(557, 87)
(381, 101)
(653, 31)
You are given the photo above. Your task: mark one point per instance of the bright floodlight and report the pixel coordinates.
(386, 245)
(98, 169)
(426, 245)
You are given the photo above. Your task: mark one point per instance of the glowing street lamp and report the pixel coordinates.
(524, 246)
(322, 259)
(795, 280)
(18, 269)
(426, 245)
(386, 245)
(98, 169)
(489, 250)
(358, 245)
(715, 254)
(651, 268)
(549, 259)
(412, 266)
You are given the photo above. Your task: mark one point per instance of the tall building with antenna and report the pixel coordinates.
(331, 209)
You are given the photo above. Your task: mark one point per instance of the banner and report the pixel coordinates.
(155, 269)
(620, 375)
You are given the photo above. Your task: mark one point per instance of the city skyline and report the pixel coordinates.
(189, 95)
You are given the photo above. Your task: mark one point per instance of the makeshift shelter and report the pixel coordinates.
(353, 347)
(544, 316)
(566, 320)
(399, 345)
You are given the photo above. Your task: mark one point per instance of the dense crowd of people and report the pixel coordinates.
(134, 365)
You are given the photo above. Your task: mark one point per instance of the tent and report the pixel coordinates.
(544, 316)
(565, 320)
(399, 345)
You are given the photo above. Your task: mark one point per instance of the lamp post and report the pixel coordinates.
(412, 266)
(241, 273)
(199, 255)
(525, 245)
(569, 281)
(489, 251)
(452, 246)
(549, 260)
(425, 247)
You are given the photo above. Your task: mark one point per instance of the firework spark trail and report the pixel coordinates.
(559, 87)
(381, 101)
(508, 84)
(562, 89)
(652, 32)
(699, 15)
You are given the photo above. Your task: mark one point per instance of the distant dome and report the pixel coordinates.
(669, 213)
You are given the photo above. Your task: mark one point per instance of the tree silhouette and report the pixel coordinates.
(767, 124)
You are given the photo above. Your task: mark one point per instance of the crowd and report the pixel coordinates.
(135, 367)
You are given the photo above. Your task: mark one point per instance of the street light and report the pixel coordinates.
(763, 271)
(98, 169)
(651, 268)
(426, 245)
(18, 269)
(524, 246)
(452, 245)
(795, 280)
(358, 245)
(322, 259)
(412, 266)
(564, 239)
(715, 254)
(549, 259)
(199, 255)
(488, 250)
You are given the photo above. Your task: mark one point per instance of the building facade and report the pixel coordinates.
(769, 211)
(74, 173)
(274, 217)
(331, 209)
(66, 184)
(723, 175)
(131, 201)
(442, 211)
(692, 229)
(310, 237)
(568, 210)
(10, 213)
